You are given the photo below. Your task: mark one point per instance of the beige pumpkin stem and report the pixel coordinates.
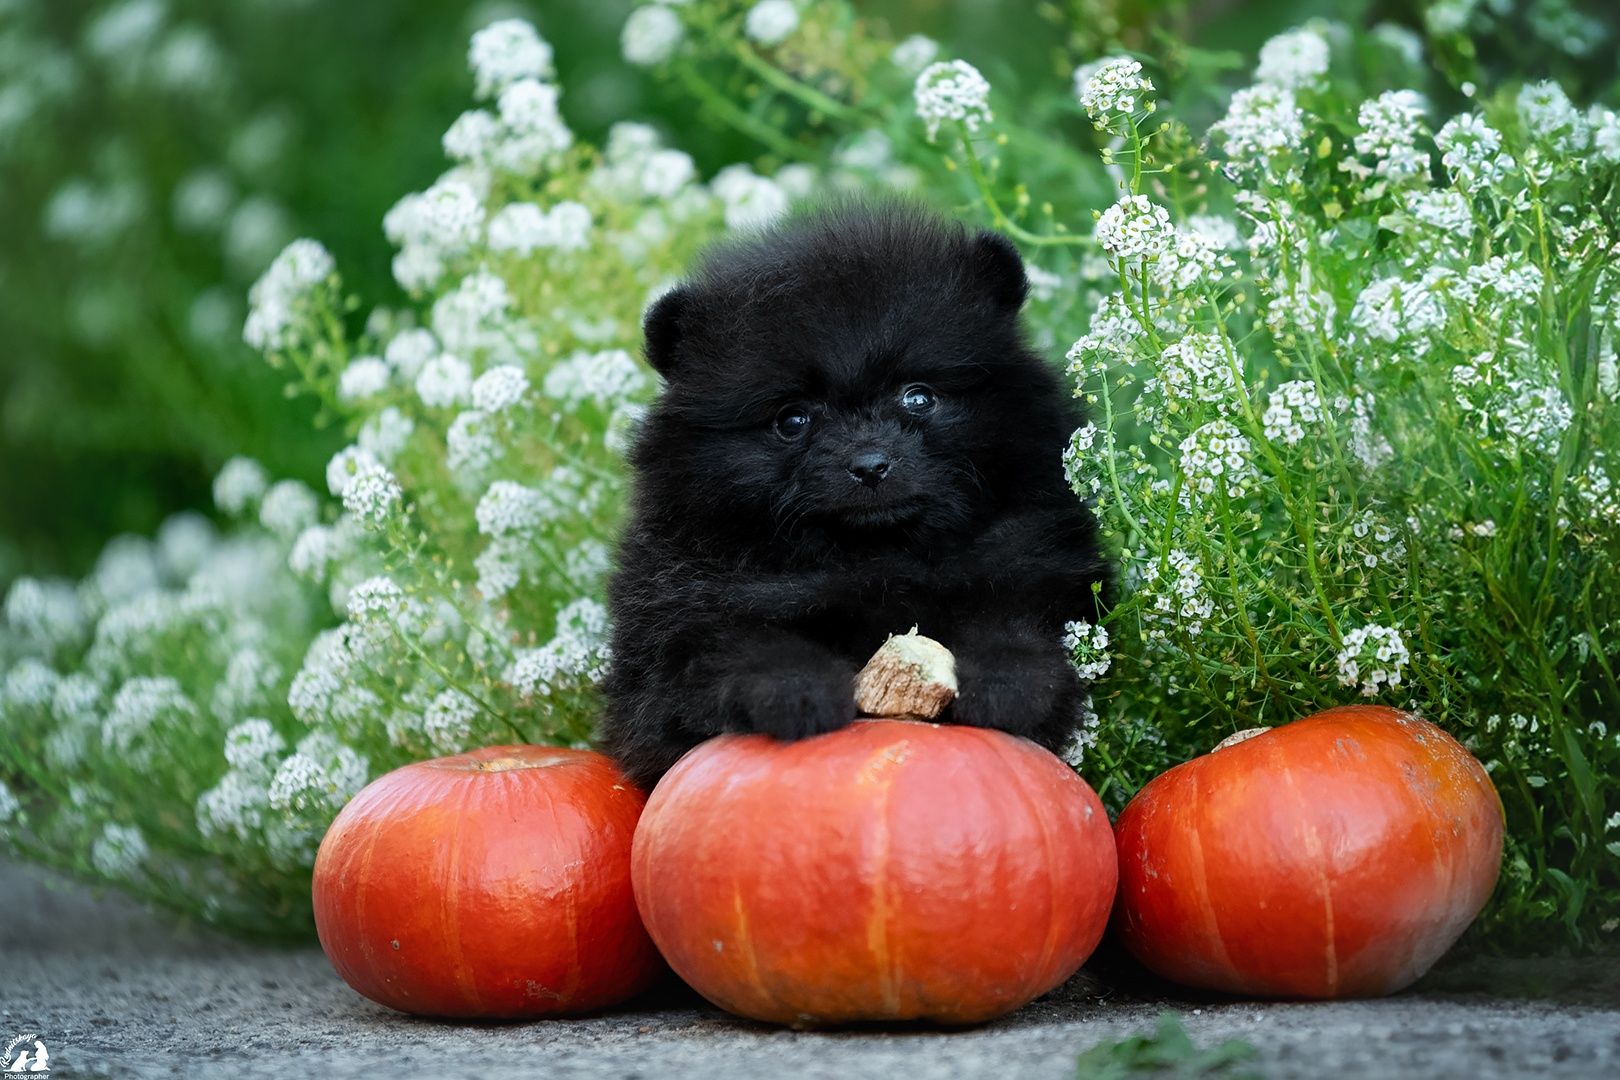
(910, 677)
(1239, 736)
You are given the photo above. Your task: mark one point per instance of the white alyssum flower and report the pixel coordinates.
(1291, 406)
(533, 129)
(1135, 228)
(1390, 126)
(509, 507)
(373, 496)
(322, 774)
(1181, 603)
(1087, 646)
(345, 466)
(1220, 231)
(1293, 59)
(914, 53)
(1199, 368)
(952, 90)
(650, 36)
(251, 682)
(409, 350)
(603, 379)
(48, 614)
(1083, 737)
(10, 806)
(1471, 151)
(1537, 416)
(504, 52)
(1115, 89)
(1391, 309)
(240, 483)
(288, 508)
(385, 434)
(119, 851)
(254, 746)
(364, 377)
(1217, 456)
(141, 705)
(445, 381)
(1373, 656)
(448, 721)
(279, 299)
(750, 199)
(576, 654)
(470, 445)
(770, 22)
(1191, 261)
(500, 388)
(1549, 116)
(525, 228)
(472, 136)
(1261, 124)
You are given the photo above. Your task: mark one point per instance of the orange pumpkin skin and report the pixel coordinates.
(493, 885)
(890, 870)
(1338, 856)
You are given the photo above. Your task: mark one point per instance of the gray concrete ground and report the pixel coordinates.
(116, 992)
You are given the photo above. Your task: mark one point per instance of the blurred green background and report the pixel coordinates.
(156, 154)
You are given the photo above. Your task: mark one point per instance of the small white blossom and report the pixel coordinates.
(1217, 456)
(603, 379)
(499, 388)
(914, 53)
(651, 35)
(1087, 646)
(949, 91)
(1291, 406)
(448, 721)
(770, 22)
(239, 484)
(1261, 124)
(1114, 89)
(445, 381)
(504, 52)
(288, 508)
(1373, 656)
(366, 376)
(345, 466)
(1293, 59)
(119, 851)
(1135, 228)
(409, 351)
(278, 300)
(385, 434)
(373, 496)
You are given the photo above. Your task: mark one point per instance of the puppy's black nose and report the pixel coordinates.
(869, 469)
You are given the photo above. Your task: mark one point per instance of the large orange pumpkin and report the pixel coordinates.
(892, 870)
(1337, 856)
(493, 884)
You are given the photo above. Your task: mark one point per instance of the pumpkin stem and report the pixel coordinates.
(909, 677)
(1239, 736)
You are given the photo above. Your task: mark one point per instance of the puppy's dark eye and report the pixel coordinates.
(793, 421)
(917, 399)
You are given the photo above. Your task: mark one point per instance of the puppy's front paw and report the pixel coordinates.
(1020, 691)
(793, 704)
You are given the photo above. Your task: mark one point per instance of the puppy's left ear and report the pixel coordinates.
(999, 269)
(663, 325)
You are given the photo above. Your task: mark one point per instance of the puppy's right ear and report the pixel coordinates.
(663, 325)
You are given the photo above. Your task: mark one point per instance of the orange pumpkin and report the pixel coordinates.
(1337, 856)
(493, 885)
(891, 870)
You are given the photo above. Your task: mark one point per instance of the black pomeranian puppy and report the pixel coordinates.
(853, 439)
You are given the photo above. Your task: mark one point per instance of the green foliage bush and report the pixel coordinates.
(1347, 335)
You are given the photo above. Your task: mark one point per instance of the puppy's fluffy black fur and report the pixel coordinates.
(854, 438)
